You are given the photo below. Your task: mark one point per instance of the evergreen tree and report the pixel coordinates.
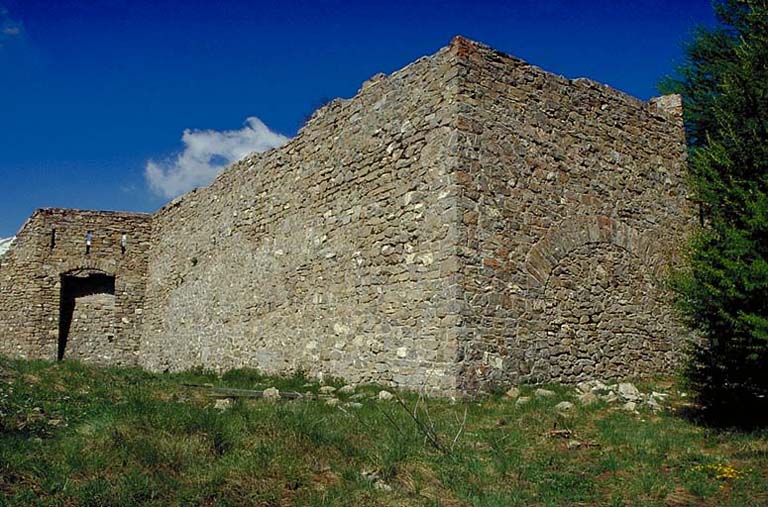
(723, 291)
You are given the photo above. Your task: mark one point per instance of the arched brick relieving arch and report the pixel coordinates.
(86, 266)
(575, 232)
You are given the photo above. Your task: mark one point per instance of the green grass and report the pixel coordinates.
(72, 435)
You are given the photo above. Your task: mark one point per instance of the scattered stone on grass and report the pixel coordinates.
(653, 404)
(544, 393)
(592, 386)
(630, 406)
(223, 404)
(374, 478)
(271, 393)
(385, 395)
(587, 398)
(591, 391)
(327, 390)
(512, 393)
(629, 392)
(564, 407)
(522, 400)
(347, 389)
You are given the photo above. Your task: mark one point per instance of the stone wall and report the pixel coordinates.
(87, 317)
(466, 221)
(92, 331)
(333, 254)
(52, 246)
(573, 203)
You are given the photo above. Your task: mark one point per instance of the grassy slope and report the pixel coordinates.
(72, 435)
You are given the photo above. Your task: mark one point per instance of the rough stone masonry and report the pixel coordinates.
(469, 220)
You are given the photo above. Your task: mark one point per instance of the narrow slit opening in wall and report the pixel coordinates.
(74, 287)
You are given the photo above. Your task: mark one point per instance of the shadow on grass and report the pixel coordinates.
(730, 382)
(733, 411)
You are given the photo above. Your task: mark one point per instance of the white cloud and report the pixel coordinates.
(206, 153)
(8, 27)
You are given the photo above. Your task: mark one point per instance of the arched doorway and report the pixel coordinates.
(86, 315)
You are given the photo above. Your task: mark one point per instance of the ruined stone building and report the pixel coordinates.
(468, 220)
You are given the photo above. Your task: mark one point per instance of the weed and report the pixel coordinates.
(75, 435)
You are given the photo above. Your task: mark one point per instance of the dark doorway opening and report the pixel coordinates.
(79, 286)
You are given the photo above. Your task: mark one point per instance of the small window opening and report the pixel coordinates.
(88, 242)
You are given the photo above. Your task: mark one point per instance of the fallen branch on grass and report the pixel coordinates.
(555, 433)
(231, 392)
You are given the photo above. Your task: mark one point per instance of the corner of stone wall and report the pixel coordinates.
(471, 371)
(494, 297)
(347, 170)
(669, 108)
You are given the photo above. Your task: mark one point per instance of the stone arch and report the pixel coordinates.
(85, 267)
(576, 232)
(596, 307)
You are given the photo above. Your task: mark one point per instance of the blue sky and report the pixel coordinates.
(95, 95)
